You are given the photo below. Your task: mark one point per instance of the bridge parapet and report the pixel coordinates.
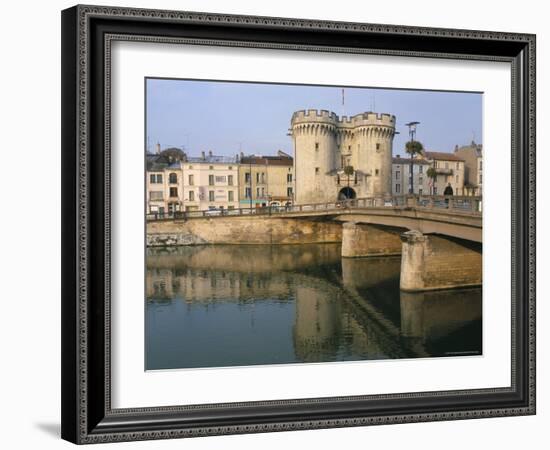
(468, 205)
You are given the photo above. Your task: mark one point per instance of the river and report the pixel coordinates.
(223, 305)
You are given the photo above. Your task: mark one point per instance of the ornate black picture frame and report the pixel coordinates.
(87, 34)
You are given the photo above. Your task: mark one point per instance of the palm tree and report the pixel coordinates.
(431, 172)
(348, 170)
(413, 148)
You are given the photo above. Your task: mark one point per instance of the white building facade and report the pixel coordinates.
(401, 177)
(210, 182)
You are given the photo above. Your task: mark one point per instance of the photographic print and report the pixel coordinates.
(310, 224)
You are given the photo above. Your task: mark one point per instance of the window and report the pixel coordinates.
(480, 165)
(191, 196)
(398, 188)
(435, 190)
(349, 148)
(211, 180)
(230, 180)
(211, 167)
(446, 165)
(457, 166)
(220, 179)
(480, 177)
(230, 196)
(317, 146)
(247, 177)
(376, 171)
(247, 192)
(190, 167)
(457, 179)
(420, 168)
(289, 192)
(155, 178)
(316, 170)
(263, 178)
(257, 177)
(155, 195)
(397, 174)
(257, 192)
(211, 196)
(420, 191)
(377, 146)
(263, 192)
(173, 192)
(191, 180)
(173, 178)
(289, 178)
(230, 168)
(420, 180)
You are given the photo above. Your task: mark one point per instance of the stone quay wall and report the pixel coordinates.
(242, 230)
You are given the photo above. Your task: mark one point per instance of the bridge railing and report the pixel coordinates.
(458, 204)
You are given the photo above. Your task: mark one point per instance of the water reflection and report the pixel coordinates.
(212, 306)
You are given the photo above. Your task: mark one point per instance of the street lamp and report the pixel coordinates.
(412, 151)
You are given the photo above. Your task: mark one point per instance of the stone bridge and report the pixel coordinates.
(439, 238)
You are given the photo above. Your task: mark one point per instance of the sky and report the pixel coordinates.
(229, 117)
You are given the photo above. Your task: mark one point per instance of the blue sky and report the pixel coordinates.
(226, 117)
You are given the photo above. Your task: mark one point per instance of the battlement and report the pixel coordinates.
(323, 116)
(314, 115)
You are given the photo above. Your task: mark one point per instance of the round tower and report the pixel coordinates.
(374, 143)
(314, 135)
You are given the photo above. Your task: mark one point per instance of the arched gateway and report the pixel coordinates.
(346, 193)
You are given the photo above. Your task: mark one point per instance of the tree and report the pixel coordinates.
(171, 155)
(348, 170)
(413, 148)
(433, 175)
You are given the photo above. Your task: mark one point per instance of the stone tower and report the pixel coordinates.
(324, 144)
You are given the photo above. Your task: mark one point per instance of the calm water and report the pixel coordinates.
(213, 306)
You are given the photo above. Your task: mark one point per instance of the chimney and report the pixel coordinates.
(203, 156)
(456, 147)
(210, 153)
(158, 147)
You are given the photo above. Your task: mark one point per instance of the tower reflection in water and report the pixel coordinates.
(215, 306)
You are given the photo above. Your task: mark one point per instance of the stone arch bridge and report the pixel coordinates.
(439, 238)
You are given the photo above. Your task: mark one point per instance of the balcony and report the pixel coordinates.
(442, 171)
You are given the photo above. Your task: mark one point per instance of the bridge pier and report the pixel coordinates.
(430, 262)
(369, 240)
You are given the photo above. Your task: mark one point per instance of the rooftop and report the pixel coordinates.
(403, 160)
(442, 156)
(212, 159)
(281, 159)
